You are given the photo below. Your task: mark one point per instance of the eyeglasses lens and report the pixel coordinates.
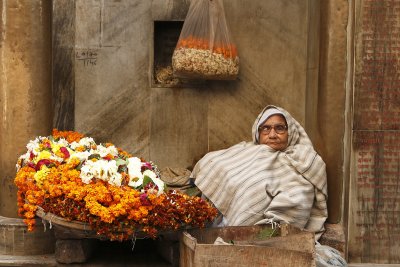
(279, 129)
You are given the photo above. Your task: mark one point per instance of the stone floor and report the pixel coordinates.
(114, 254)
(372, 265)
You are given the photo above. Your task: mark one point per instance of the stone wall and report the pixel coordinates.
(374, 221)
(25, 87)
(26, 112)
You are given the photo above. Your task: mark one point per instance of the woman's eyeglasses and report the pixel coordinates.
(266, 129)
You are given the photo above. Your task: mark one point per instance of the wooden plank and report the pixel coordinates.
(303, 242)
(246, 248)
(236, 256)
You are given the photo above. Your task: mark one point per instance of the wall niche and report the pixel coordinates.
(166, 35)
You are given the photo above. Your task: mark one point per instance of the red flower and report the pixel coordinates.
(32, 165)
(108, 157)
(65, 151)
(41, 162)
(144, 200)
(146, 166)
(46, 144)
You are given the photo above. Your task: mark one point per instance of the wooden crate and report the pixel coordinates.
(248, 246)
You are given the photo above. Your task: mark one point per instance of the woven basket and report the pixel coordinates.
(65, 229)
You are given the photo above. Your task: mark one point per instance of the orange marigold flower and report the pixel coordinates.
(108, 157)
(70, 136)
(80, 148)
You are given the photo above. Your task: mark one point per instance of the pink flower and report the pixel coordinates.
(41, 162)
(144, 200)
(32, 165)
(146, 166)
(47, 144)
(65, 151)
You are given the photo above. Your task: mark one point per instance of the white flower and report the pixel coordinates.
(86, 172)
(62, 142)
(115, 178)
(104, 151)
(82, 156)
(74, 145)
(150, 174)
(135, 181)
(33, 146)
(22, 160)
(134, 167)
(157, 181)
(86, 141)
(101, 170)
(134, 171)
(56, 158)
(160, 184)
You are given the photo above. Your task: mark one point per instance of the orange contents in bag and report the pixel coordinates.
(227, 50)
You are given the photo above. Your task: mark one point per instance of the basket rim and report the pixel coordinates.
(54, 219)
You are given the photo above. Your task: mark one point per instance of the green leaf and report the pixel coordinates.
(51, 165)
(120, 162)
(94, 156)
(267, 233)
(146, 180)
(79, 167)
(122, 168)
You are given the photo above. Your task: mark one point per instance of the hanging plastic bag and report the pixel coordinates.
(205, 49)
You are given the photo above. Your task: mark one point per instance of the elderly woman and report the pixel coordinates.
(278, 177)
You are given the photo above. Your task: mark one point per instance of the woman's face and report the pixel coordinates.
(273, 132)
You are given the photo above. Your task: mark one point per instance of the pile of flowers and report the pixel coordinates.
(118, 195)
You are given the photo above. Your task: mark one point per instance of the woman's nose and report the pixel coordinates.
(272, 133)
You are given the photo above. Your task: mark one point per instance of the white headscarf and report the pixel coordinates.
(265, 116)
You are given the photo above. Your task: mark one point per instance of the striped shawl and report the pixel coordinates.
(254, 184)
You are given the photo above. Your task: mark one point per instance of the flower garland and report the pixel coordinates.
(71, 176)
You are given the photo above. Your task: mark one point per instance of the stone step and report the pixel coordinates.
(107, 253)
(16, 240)
(35, 260)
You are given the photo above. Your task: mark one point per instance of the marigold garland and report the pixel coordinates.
(71, 176)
